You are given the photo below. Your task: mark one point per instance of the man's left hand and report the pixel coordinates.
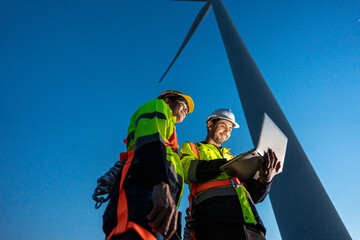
(269, 168)
(163, 216)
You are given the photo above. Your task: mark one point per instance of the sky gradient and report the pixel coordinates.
(73, 72)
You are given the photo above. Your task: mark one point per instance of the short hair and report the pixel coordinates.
(174, 97)
(214, 121)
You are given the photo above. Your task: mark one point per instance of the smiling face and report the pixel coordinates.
(219, 132)
(179, 109)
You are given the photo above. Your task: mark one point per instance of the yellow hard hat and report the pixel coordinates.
(188, 99)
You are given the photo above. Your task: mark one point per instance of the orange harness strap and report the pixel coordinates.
(194, 149)
(123, 223)
(172, 142)
(194, 185)
(195, 189)
(216, 183)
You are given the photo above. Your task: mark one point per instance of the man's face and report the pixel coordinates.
(179, 109)
(220, 131)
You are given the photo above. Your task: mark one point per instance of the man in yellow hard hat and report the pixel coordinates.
(146, 196)
(222, 207)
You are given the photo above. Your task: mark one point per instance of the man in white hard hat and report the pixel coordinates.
(222, 207)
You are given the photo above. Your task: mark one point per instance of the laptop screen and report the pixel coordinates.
(272, 137)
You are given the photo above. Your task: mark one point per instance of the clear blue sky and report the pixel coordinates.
(73, 72)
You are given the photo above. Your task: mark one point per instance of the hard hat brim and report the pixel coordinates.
(188, 99)
(235, 125)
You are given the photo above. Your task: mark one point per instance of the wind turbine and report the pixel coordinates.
(302, 208)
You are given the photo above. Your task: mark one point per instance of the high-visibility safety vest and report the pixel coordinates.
(153, 121)
(223, 184)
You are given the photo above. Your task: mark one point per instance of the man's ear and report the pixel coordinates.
(210, 125)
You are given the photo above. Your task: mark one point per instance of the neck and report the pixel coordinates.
(211, 141)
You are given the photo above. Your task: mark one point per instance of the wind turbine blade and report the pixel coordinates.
(194, 26)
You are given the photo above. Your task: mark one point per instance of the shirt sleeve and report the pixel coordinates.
(197, 170)
(149, 128)
(257, 190)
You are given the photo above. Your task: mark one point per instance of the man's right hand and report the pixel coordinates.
(163, 216)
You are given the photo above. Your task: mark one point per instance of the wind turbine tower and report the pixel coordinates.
(302, 208)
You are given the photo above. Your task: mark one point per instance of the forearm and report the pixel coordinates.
(258, 191)
(202, 170)
(196, 170)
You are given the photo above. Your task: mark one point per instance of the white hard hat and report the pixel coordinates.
(225, 114)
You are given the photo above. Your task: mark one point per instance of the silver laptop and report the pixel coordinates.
(246, 165)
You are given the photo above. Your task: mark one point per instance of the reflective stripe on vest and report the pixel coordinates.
(213, 192)
(151, 122)
(214, 185)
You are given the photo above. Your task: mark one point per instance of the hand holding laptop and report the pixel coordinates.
(269, 167)
(248, 165)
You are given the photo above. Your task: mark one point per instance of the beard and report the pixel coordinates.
(220, 138)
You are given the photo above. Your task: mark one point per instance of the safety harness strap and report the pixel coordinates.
(216, 183)
(194, 149)
(123, 223)
(172, 142)
(195, 189)
(194, 185)
(235, 182)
